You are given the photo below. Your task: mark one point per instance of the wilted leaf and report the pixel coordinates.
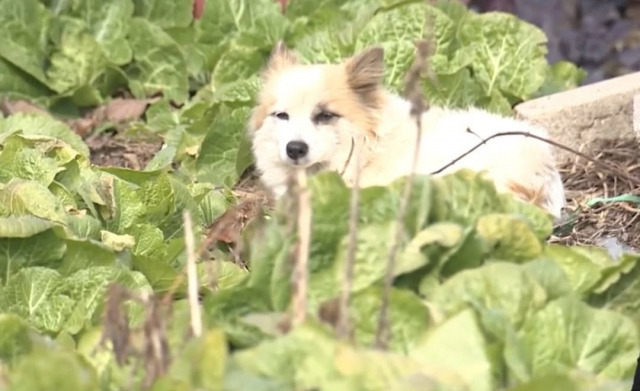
(19, 160)
(117, 242)
(41, 125)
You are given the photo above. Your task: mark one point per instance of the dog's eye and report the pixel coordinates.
(281, 115)
(324, 116)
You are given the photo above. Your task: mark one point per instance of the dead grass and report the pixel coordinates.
(585, 181)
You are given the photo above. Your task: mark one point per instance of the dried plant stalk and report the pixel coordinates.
(413, 93)
(343, 310)
(192, 275)
(300, 273)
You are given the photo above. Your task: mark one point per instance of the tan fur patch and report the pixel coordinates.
(260, 112)
(534, 196)
(280, 59)
(349, 103)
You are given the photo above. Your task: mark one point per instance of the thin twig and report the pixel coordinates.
(598, 163)
(192, 275)
(343, 311)
(300, 273)
(210, 241)
(383, 331)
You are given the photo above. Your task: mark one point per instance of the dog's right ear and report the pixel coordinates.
(281, 58)
(365, 74)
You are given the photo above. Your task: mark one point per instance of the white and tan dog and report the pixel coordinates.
(316, 115)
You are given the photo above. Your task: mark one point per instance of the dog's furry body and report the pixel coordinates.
(318, 116)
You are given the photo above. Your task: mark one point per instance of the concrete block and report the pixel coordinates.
(636, 115)
(579, 117)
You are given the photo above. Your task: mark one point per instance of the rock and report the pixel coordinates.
(636, 115)
(579, 117)
(614, 247)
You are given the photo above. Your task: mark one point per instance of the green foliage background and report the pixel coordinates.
(481, 301)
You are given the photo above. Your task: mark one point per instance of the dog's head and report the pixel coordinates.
(308, 115)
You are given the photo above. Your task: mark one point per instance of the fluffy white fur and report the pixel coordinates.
(376, 122)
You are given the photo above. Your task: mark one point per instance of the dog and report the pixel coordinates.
(317, 116)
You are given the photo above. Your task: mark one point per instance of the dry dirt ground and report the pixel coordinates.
(122, 151)
(605, 220)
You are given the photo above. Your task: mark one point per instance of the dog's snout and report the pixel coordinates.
(297, 149)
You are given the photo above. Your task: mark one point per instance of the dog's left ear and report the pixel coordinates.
(365, 70)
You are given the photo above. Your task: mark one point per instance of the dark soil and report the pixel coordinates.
(603, 222)
(122, 151)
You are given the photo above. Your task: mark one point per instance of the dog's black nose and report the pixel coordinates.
(297, 149)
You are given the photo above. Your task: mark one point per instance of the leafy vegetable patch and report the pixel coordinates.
(480, 300)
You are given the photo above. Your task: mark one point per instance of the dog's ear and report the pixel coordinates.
(281, 57)
(365, 71)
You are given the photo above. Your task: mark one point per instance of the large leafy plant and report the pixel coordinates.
(480, 301)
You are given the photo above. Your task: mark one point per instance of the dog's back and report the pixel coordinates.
(522, 165)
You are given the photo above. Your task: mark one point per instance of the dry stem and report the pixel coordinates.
(383, 331)
(209, 241)
(300, 273)
(192, 275)
(343, 310)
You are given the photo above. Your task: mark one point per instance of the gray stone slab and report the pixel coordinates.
(579, 117)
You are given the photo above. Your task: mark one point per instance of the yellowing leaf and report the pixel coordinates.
(117, 242)
(510, 237)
